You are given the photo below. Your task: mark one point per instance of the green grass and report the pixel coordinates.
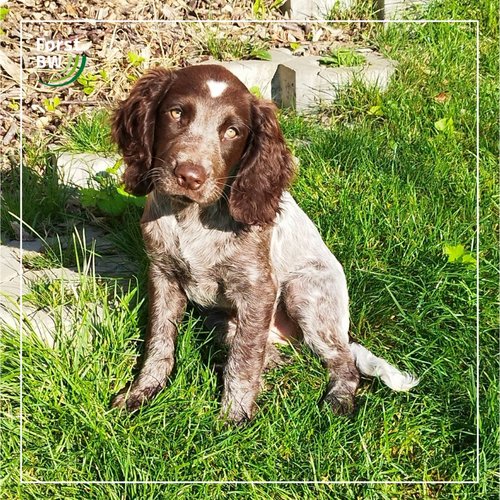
(45, 200)
(227, 48)
(89, 133)
(388, 191)
(343, 57)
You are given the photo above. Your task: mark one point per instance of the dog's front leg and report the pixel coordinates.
(167, 303)
(242, 374)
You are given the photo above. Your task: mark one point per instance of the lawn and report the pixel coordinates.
(390, 180)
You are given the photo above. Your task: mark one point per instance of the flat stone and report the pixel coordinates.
(307, 83)
(12, 288)
(28, 247)
(51, 274)
(281, 56)
(42, 322)
(107, 266)
(115, 266)
(283, 87)
(47, 325)
(394, 9)
(94, 238)
(98, 238)
(330, 81)
(35, 246)
(378, 69)
(9, 264)
(79, 168)
(311, 9)
(35, 321)
(272, 81)
(317, 83)
(302, 82)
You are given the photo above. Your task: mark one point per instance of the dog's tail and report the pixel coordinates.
(371, 365)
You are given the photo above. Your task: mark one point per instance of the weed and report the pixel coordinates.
(224, 48)
(90, 133)
(343, 57)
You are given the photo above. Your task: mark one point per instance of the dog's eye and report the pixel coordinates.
(231, 133)
(176, 114)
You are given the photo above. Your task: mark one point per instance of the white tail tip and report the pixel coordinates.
(369, 364)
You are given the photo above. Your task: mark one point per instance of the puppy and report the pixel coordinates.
(222, 231)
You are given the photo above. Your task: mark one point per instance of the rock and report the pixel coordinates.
(79, 168)
(311, 9)
(10, 266)
(302, 82)
(394, 9)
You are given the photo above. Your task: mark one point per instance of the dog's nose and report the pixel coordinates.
(190, 176)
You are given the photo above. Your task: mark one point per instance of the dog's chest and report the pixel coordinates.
(197, 255)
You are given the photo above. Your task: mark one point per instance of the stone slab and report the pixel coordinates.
(41, 321)
(395, 9)
(9, 264)
(78, 168)
(12, 288)
(302, 82)
(311, 9)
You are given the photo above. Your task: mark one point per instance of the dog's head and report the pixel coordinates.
(197, 134)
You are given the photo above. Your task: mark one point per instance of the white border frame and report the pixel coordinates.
(248, 21)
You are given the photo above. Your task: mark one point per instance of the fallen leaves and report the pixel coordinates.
(442, 97)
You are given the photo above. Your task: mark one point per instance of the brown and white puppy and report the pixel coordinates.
(222, 231)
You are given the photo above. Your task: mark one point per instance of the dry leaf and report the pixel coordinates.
(317, 35)
(442, 97)
(9, 66)
(70, 10)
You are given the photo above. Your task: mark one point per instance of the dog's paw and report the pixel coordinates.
(234, 413)
(133, 397)
(341, 404)
(275, 358)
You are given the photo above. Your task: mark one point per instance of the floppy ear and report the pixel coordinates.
(133, 127)
(265, 171)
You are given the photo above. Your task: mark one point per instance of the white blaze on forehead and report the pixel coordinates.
(216, 88)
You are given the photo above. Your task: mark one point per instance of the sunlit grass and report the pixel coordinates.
(388, 191)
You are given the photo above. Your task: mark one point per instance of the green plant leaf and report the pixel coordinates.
(135, 59)
(376, 111)
(343, 57)
(255, 90)
(115, 168)
(458, 255)
(454, 252)
(445, 125)
(88, 197)
(87, 79)
(138, 201)
(295, 45)
(469, 260)
(258, 7)
(51, 103)
(111, 205)
(262, 54)
(328, 61)
(4, 11)
(121, 190)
